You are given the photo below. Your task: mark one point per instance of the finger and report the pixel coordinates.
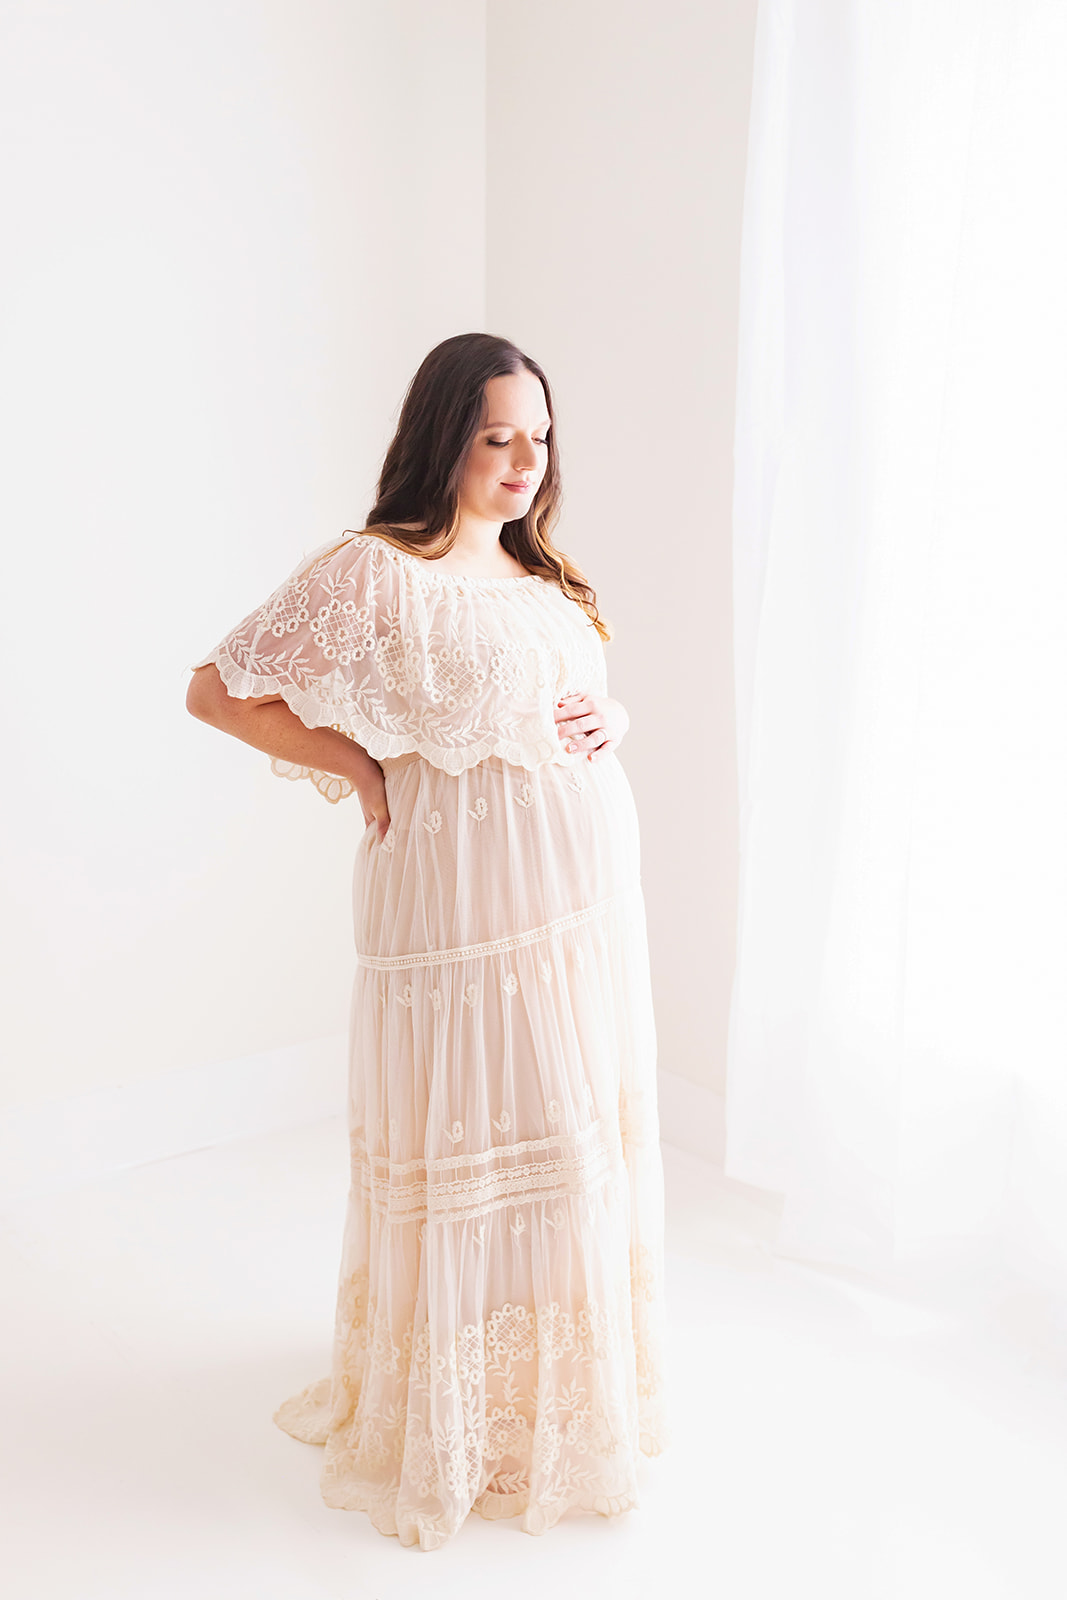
(583, 724)
(602, 750)
(581, 737)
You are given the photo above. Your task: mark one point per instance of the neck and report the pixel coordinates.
(477, 542)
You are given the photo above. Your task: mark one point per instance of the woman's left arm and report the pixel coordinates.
(590, 724)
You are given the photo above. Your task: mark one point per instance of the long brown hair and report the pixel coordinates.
(442, 413)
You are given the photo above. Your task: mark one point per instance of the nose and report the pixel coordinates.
(524, 459)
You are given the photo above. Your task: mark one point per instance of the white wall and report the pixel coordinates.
(616, 153)
(233, 231)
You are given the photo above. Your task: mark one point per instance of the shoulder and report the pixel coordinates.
(358, 557)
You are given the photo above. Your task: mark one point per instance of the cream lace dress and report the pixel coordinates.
(498, 1333)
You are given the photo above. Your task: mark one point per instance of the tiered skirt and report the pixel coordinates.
(499, 1326)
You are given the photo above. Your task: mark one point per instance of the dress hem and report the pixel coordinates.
(490, 1505)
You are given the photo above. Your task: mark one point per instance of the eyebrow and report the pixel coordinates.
(546, 422)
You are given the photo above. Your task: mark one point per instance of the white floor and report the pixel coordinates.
(828, 1441)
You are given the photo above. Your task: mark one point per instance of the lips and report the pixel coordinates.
(522, 486)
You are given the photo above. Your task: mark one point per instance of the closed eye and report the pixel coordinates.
(502, 442)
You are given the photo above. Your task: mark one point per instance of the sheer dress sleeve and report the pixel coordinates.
(360, 638)
(316, 642)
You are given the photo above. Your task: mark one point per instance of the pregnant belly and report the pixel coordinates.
(492, 853)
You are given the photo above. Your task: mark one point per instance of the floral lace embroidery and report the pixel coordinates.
(525, 1410)
(525, 1390)
(398, 662)
(509, 1324)
(455, 678)
(515, 669)
(363, 639)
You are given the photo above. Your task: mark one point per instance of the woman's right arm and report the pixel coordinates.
(267, 724)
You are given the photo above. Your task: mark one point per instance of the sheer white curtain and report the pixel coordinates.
(898, 1048)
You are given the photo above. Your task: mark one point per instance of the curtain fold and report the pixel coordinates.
(897, 1061)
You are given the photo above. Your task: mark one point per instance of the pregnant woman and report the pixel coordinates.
(498, 1334)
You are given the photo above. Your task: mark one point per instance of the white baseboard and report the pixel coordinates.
(64, 1143)
(67, 1142)
(692, 1117)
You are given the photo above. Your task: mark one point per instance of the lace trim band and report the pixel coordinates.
(452, 1188)
(470, 952)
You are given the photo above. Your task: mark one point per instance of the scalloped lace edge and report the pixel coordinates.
(376, 741)
(301, 1418)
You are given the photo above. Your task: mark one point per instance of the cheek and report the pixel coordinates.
(485, 470)
(481, 469)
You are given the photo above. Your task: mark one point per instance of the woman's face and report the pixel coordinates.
(512, 448)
